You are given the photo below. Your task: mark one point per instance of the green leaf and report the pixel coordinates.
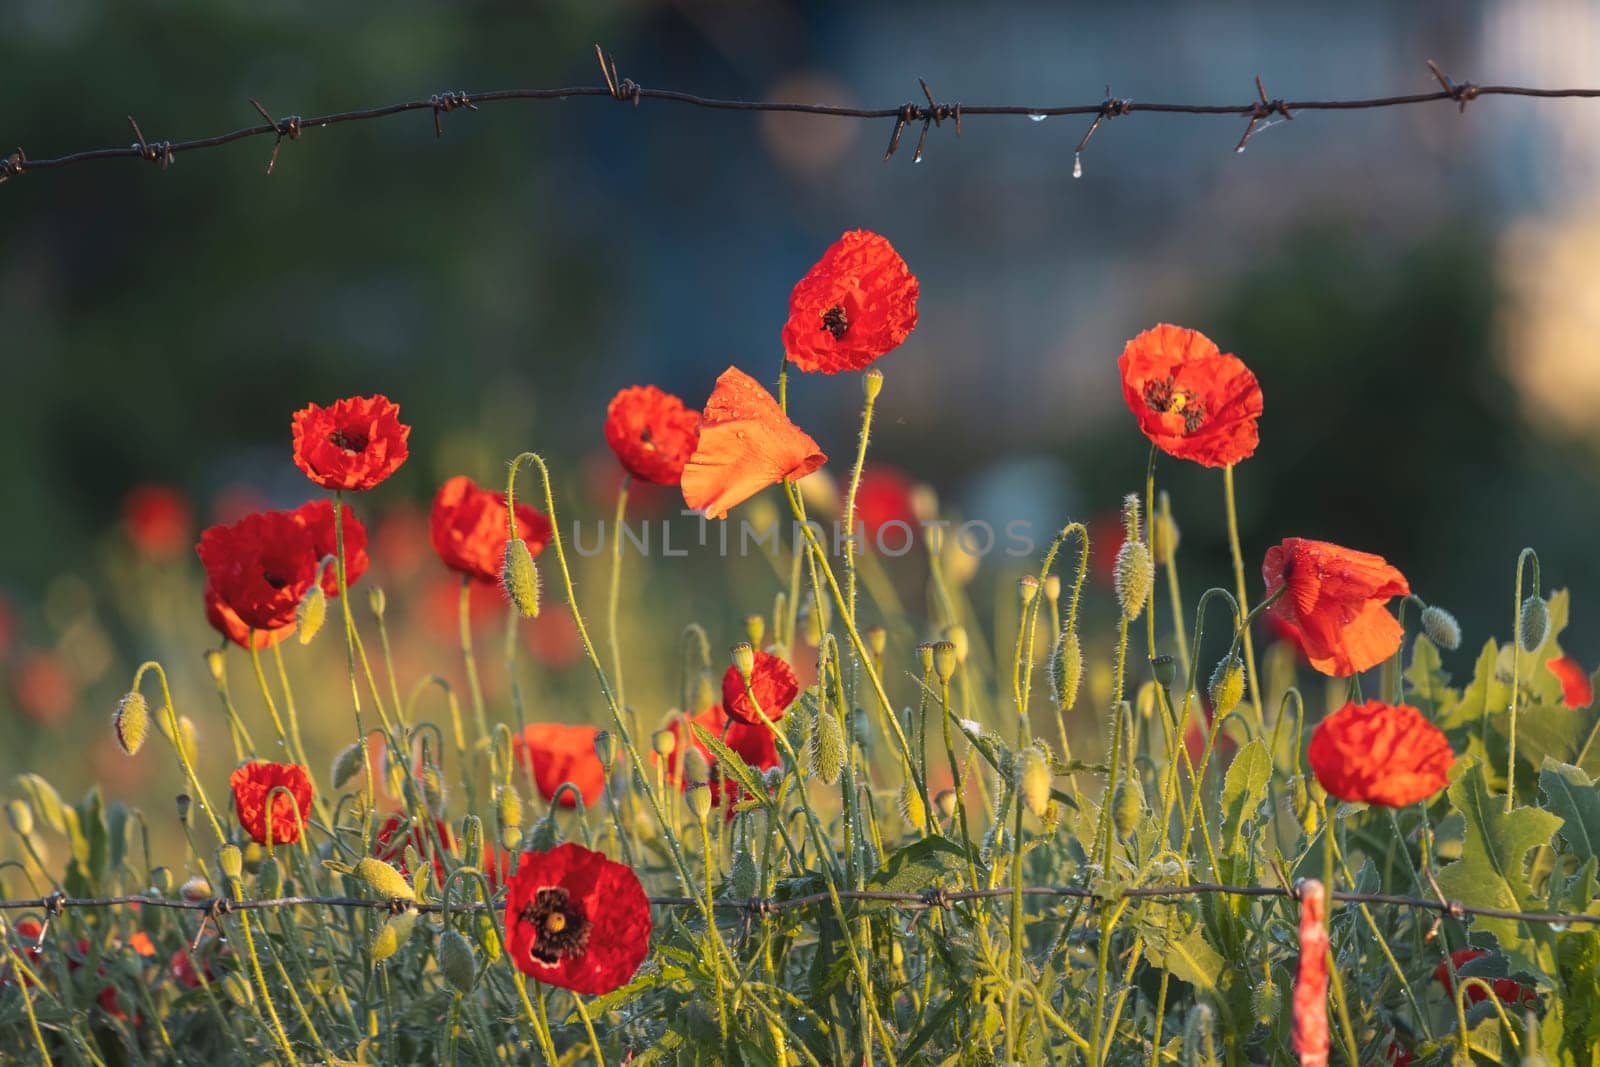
(1572, 795)
(1490, 872)
(1428, 683)
(730, 761)
(933, 862)
(44, 799)
(1244, 788)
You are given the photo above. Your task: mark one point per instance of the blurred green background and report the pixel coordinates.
(1416, 290)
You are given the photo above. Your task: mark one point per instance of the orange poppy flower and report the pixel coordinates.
(773, 683)
(1379, 753)
(1577, 690)
(858, 302)
(469, 529)
(1336, 600)
(354, 443)
(558, 754)
(652, 433)
(256, 785)
(1192, 400)
(746, 444)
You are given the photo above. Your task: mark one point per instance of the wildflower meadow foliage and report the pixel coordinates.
(871, 833)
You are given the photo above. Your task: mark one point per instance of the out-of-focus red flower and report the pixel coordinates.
(157, 520)
(858, 302)
(25, 941)
(397, 831)
(317, 518)
(558, 753)
(1399, 1055)
(1513, 993)
(259, 567)
(552, 638)
(1191, 400)
(746, 444)
(652, 433)
(401, 539)
(1336, 599)
(772, 681)
(884, 497)
(1577, 689)
(755, 745)
(43, 687)
(253, 783)
(354, 443)
(226, 622)
(183, 971)
(577, 920)
(235, 502)
(441, 604)
(1379, 753)
(1106, 534)
(469, 530)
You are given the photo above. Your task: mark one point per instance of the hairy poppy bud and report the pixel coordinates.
(1027, 589)
(1052, 588)
(1198, 1047)
(230, 861)
(1134, 576)
(393, 935)
(196, 888)
(698, 797)
(269, 879)
(827, 747)
(309, 615)
(236, 989)
(945, 801)
(912, 807)
(1163, 670)
(377, 601)
(872, 383)
(215, 664)
(1227, 685)
(664, 742)
(605, 749)
(695, 767)
(431, 778)
(743, 878)
(755, 626)
(944, 660)
(346, 764)
(1066, 670)
(1127, 807)
(1441, 628)
(877, 640)
(744, 659)
(1132, 517)
(131, 722)
(1535, 621)
(1265, 1003)
(20, 816)
(508, 807)
(520, 578)
(1033, 781)
(456, 962)
(383, 879)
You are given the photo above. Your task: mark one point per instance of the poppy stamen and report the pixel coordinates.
(350, 442)
(1194, 416)
(561, 929)
(1158, 394)
(835, 321)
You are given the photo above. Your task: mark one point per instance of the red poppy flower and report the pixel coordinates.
(396, 832)
(746, 444)
(254, 782)
(1379, 753)
(857, 303)
(558, 754)
(468, 527)
(316, 516)
(1577, 690)
(884, 497)
(43, 687)
(577, 920)
(186, 974)
(773, 683)
(1192, 400)
(355, 443)
(259, 567)
(158, 521)
(1336, 598)
(226, 622)
(652, 433)
(756, 745)
(27, 933)
(1504, 988)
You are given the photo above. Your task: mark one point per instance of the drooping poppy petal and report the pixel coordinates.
(652, 433)
(773, 683)
(558, 754)
(1191, 400)
(576, 919)
(746, 444)
(1577, 688)
(1377, 753)
(858, 302)
(1336, 598)
(259, 786)
(259, 567)
(469, 530)
(354, 443)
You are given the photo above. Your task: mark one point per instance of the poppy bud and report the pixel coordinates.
(772, 778)
(1127, 807)
(196, 888)
(925, 657)
(1535, 621)
(20, 816)
(472, 841)
(1227, 685)
(214, 663)
(664, 741)
(346, 764)
(944, 660)
(1027, 589)
(1033, 781)
(1265, 1002)
(377, 601)
(310, 613)
(1052, 588)
(1131, 517)
(269, 879)
(1134, 577)
(827, 747)
(695, 767)
(698, 797)
(1164, 536)
(877, 640)
(743, 878)
(860, 728)
(1163, 670)
(393, 935)
(956, 634)
(797, 727)
(383, 879)
(456, 962)
(605, 749)
(744, 659)
(912, 807)
(520, 577)
(230, 861)
(1198, 1048)
(872, 383)
(186, 738)
(161, 880)
(1066, 670)
(236, 989)
(756, 627)
(503, 746)
(1441, 628)
(432, 782)
(131, 722)
(508, 807)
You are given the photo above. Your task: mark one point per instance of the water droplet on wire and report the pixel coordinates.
(1038, 118)
(1077, 164)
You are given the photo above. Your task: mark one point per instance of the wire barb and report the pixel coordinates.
(1460, 92)
(1110, 108)
(13, 165)
(620, 88)
(443, 103)
(286, 127)
(153, 152)
(1262, 110)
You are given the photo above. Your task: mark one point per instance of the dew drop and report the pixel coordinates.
(1558, 928)
(1077, 164)
(1038, 118)
(1239, 150)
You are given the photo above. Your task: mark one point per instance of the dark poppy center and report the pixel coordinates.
(560, 927)
(350, 442)
(274, 581)
(835, 321)
(1161, 396)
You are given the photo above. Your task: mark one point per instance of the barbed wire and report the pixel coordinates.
(1261, 112)
(905, 900)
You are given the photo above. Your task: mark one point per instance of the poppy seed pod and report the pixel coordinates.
(1134, 577)
(1226, 688)
(520, 577)
(131, 722)
(310, 613)
(925, 657)
(1066, 670)
(1441, 628)
(1027, 589)
(383, 879)
(744, 659)
(872, 383)
(346, 764)
(456, 962)
(944, 660)
(1535, 622)
(605, 749)
(1033, 781)
(393, 935)
(1163, 670)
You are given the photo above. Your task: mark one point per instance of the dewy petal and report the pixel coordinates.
(862, 283)
(651, 433)
(746, 444)
(1335, 598)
